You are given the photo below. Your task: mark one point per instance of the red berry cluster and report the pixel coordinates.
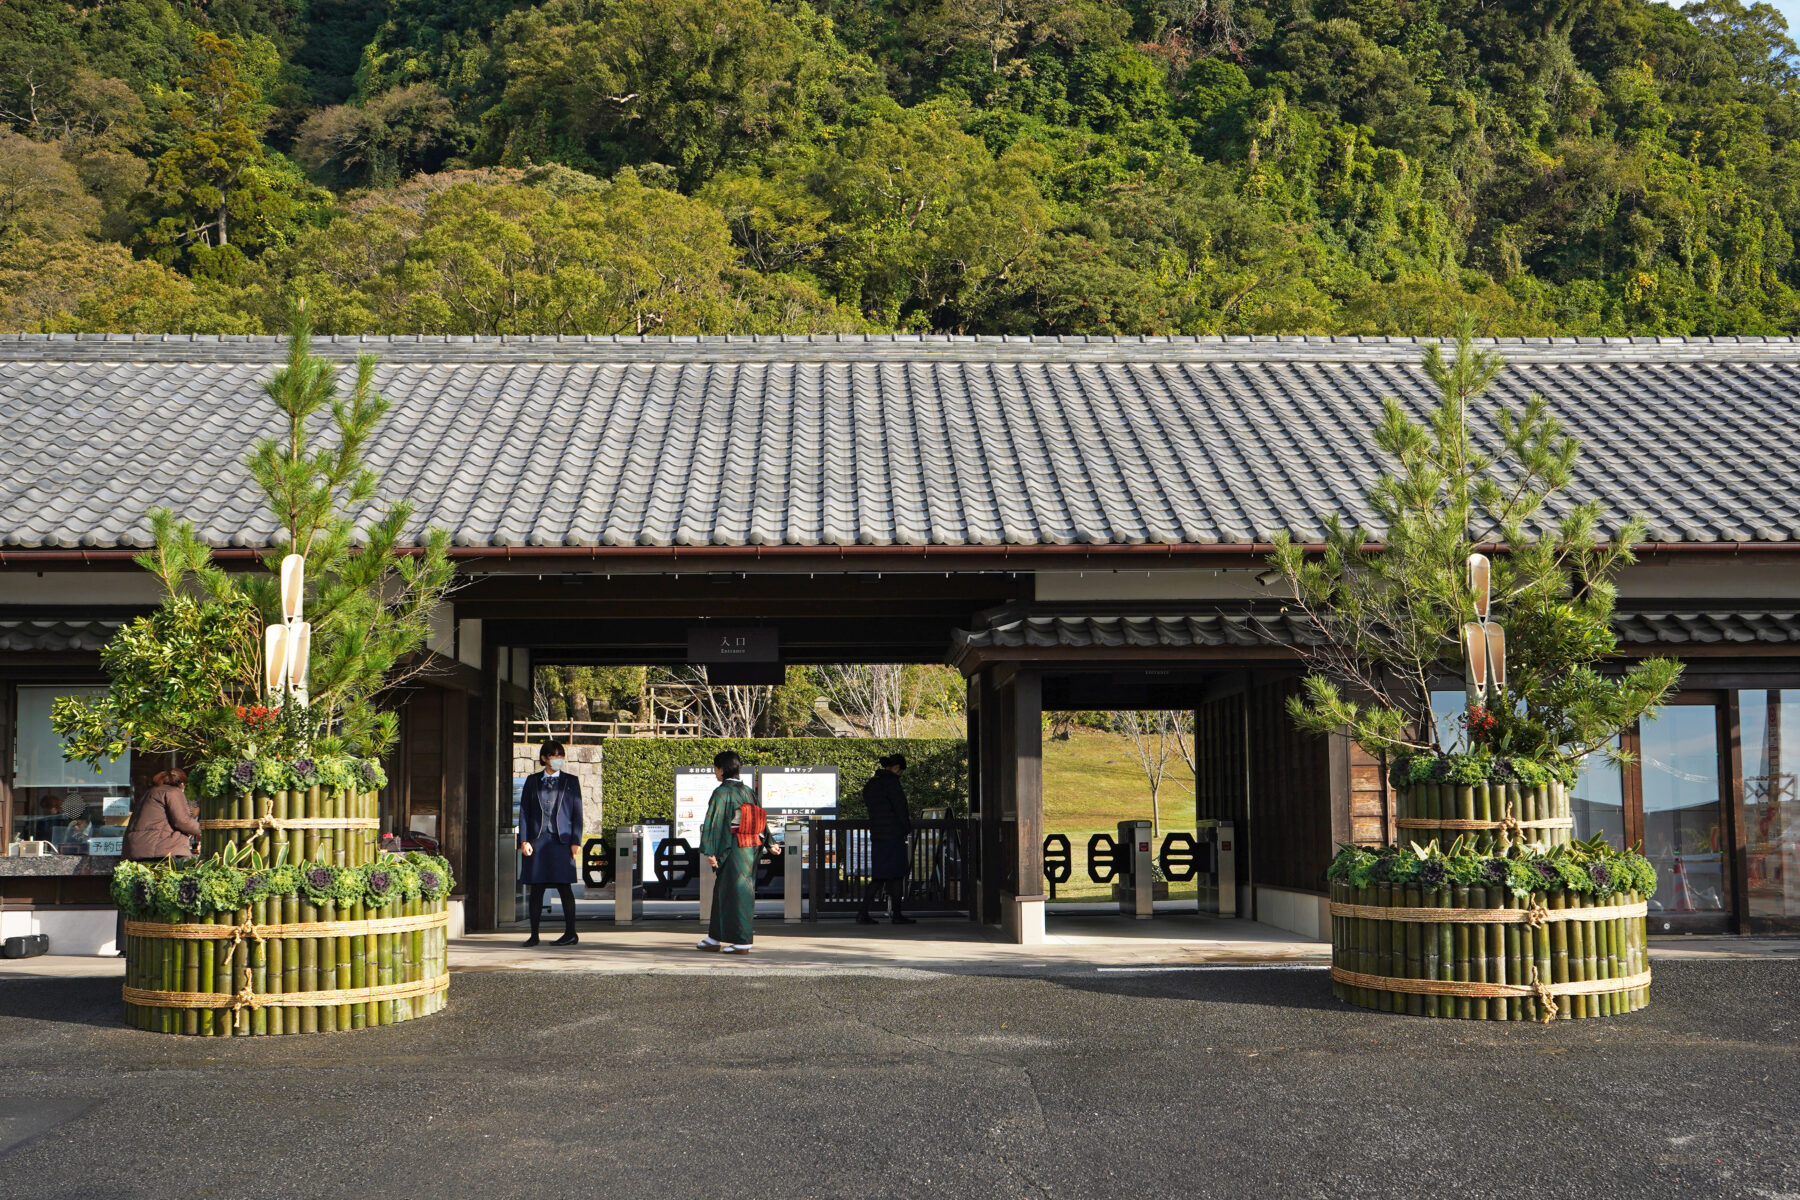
(256, 716)
(1480, 723)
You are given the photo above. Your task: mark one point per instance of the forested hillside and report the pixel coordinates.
(989, 166)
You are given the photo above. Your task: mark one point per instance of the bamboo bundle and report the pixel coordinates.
(1481, 953)
(1484, 815)
(184, 977)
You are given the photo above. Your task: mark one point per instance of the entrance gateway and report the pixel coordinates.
(1073, 524)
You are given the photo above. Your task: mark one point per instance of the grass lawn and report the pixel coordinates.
(1091, 783)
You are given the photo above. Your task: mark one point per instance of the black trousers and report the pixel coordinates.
(564, 892)
(896, 888)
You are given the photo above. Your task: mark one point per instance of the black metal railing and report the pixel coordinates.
(839, 861)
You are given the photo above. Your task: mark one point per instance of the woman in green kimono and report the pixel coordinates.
(732, 838)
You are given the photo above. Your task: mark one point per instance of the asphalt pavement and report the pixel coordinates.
(1217, 1082)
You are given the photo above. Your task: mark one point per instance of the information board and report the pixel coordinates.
(693, 788)
(803, 791)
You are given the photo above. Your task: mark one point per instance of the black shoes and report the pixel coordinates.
(900, 920)
(532, 940)
(567, 939)
(863, 918)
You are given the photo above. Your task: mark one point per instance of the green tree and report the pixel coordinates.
(475, 259)
(1388, 623)
(369, 600)
(203, 178)
(41, 195)
(694, 85)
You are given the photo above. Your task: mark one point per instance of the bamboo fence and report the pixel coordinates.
(1481, 953)
(1490, 817)
(287, 965)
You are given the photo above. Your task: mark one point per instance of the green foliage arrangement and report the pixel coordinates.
(1046, 166)
(217, 776)
(639, 773)
(186, 678)
(1591, 868)
(1386, 606)
(215, 886)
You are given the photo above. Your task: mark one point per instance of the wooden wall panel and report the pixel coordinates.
(1219, 760)
(1290, 795)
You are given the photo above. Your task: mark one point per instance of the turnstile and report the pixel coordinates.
(628, 875)
(1216, 876)
(1135, 886)
(793, 867)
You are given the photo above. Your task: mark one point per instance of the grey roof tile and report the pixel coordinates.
(881, 440)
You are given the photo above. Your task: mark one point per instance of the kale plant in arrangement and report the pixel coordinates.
(1481, 571)
(283, 721)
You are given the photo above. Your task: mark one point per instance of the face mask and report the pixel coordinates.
(556, 764)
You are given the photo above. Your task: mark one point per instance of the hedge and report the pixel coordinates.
(638, 774)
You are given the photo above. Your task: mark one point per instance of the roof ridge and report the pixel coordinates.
(814, 339)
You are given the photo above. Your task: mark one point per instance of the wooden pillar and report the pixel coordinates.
(1022, 797)
(452, 827)
(986, 776)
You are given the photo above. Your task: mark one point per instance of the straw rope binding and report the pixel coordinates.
(246, 998)
(267, 822)
(249, 929)
(1460, 823)
(1537, 914)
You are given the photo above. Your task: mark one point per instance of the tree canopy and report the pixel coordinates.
(1010, 166)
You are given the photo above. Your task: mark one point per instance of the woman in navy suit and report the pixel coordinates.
(550, 838)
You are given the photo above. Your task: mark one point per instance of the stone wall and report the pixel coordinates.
(583, 762)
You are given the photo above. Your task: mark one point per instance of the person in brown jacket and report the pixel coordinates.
(162, 826)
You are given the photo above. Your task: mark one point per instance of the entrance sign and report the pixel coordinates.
(742, 656)
(747, 644)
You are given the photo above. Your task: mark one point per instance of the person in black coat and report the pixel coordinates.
(889, 826)
(550, 838)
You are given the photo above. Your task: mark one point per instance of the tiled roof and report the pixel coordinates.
(26, 636)
(905, 441)
(1271, 627)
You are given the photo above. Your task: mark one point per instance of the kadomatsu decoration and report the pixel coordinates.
(255, 950)
(1442, 926)
(272, 685)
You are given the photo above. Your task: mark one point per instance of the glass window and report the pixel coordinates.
(1447, 709)
(1767, 721)
(76, 808)
(1597, 801)
(1684, 829)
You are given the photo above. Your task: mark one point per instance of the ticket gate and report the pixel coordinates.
(1135, 885)
(1216, 868)
(628, 875)
(793, 867)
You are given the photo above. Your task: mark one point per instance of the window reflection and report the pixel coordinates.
(1684, 831)
(1597, 801)
(76, 808)
(1769, 723)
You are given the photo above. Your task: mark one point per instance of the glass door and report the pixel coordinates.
(1769, 735)
(1684, 818)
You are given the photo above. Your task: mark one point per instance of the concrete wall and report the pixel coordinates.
(1305, 913)
(85, 931)
(1671, 577)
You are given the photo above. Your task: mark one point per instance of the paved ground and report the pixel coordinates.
(808, 1082)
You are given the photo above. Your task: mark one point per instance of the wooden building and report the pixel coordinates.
(1073, 523)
